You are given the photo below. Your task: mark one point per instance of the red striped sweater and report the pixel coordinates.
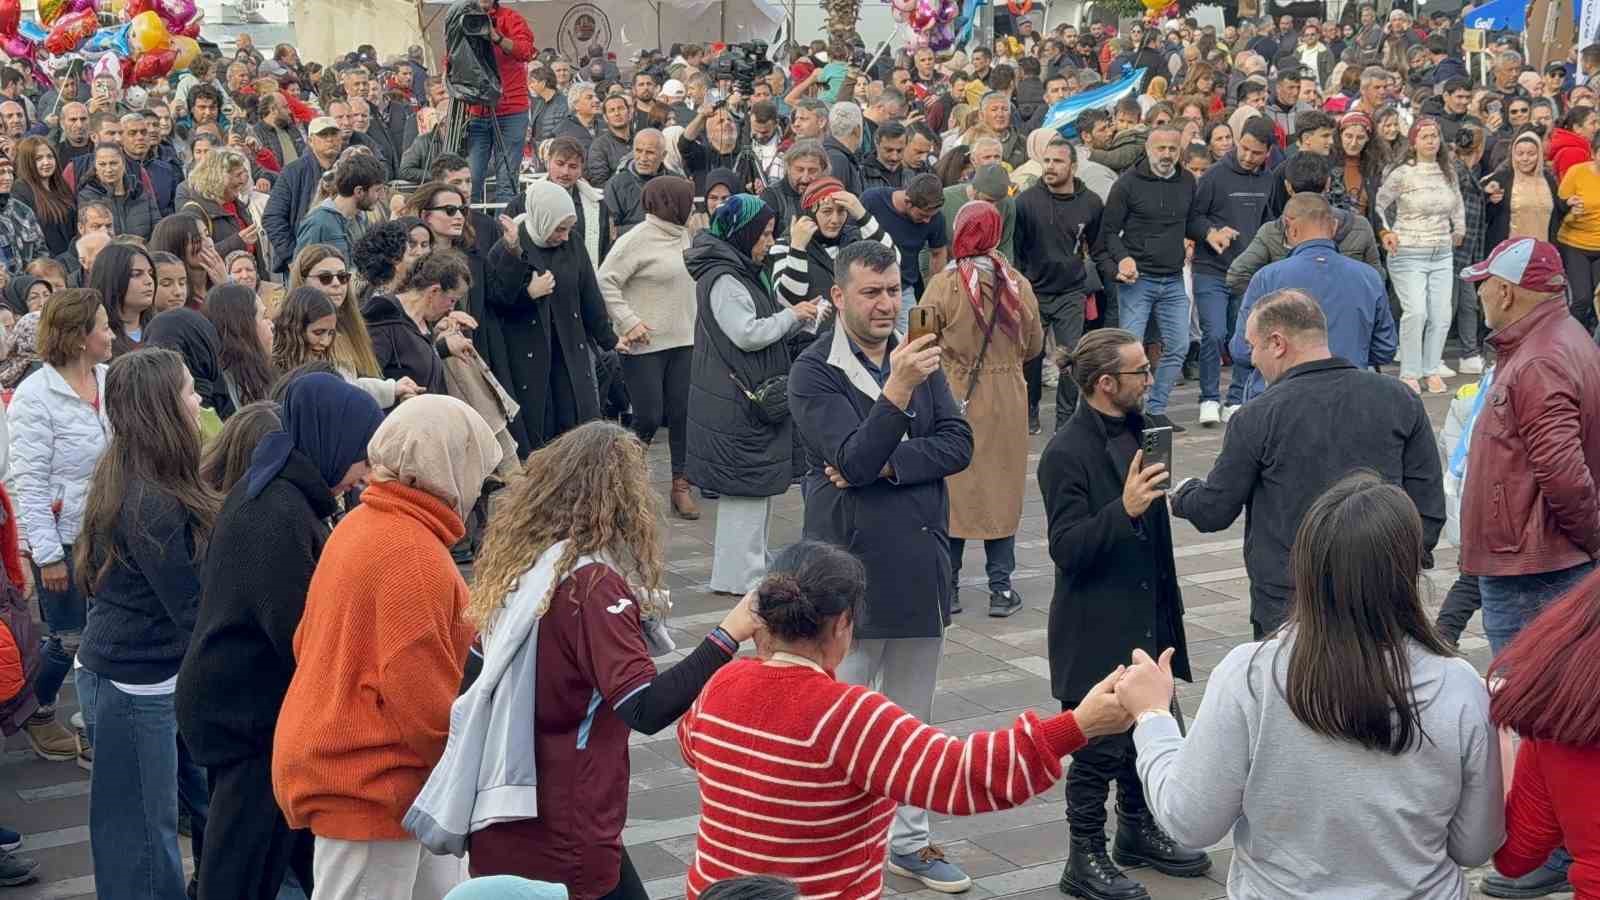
(800, 774)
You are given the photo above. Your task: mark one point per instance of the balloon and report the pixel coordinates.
(113, 40)
(132, 8)
(924, 17)
(191, 28)
(10, 16)
(70, 31)
(188, 50)
(949, 12)
(151, 66)
(33, 31)
(1154, 5)
(175, 12)
(148, 34)
(81, 5)
(51, 10)
(942, 38)
(17, 47)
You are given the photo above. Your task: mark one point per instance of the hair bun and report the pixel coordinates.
(778, 591)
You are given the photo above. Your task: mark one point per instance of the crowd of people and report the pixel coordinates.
(329, 398)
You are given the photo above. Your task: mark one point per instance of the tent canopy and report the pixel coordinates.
(625, 27)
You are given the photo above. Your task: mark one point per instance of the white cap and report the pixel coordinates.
(673, 88)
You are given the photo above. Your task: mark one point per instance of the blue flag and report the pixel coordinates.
(1063, 115)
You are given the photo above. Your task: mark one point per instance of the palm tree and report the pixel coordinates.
(841, 24)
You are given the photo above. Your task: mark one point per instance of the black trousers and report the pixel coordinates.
(1094, 766)
(1583, 275)
(658, 386)
(630, 887)
(252, 845)
(1459, 604)
(1062, 315)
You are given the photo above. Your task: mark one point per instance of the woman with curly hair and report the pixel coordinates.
(215, 186)
(571, 570)
(1358, 163)
(1202, 82)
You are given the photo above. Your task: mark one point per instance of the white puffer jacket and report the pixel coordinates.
(56, 440)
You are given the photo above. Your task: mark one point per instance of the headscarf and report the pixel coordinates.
(24, 351)
(437, 444)
(724, 177)
(670, 199)
(671, 155)
(17, 292)
(1157, 88)
(1038, 140)
(972, 248)
(195, 339)
(740, 221)
(328, 420)
(820, 190)
(548, 205)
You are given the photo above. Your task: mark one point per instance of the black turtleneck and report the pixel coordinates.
(1119, 434)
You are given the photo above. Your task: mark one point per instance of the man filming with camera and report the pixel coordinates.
(498, 137)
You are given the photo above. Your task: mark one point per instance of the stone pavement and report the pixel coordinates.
(992, 669)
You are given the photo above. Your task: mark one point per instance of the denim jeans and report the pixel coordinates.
(1211, 299)
(64, 615)
(485, 151)
(1469, 319)
(1160, 298)
(1512, 601)
(133, 797)
(1424, 282)
(1000, 560)
(908, 299)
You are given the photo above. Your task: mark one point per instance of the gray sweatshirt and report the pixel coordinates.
(1312, 816)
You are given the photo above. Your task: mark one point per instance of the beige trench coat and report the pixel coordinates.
(986, 498)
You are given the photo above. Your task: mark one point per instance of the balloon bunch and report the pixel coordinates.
(149, 38)
(1156, 10)
(932, 21)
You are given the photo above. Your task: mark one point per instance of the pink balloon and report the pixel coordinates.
(18, 47)
(175, 12)
(81, 5)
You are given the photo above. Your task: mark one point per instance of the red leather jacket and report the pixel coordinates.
(1530, 503)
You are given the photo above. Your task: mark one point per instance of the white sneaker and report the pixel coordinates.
(1471, 365)
(1210, 412)
(1049, 375)
(1443, 371)
(1228, 411)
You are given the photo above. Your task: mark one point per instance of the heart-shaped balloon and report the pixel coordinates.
(70, 31)
(923, 17)
(147, 33)
(10, 16)
(51, 10)
(32, 30)
(188, 50)
(151, 66)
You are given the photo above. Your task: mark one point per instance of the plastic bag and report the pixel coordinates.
(470, 71)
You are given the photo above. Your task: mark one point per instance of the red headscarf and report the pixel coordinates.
(977, 233)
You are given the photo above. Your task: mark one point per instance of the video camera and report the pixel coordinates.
(743, 64)
(475, 23)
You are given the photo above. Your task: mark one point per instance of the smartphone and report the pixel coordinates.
(1158, 447)
(923, 320)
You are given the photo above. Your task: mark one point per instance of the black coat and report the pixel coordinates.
(293, 193)
(402, 351)
(224, 228)
(58, 236)
(898, 529)
(624, 201)
(606, 153)
(842, 164)
(1321, 421)
(135, 212)
(1116, 584)
(785, 202)
(729, 450)
(253, 592)
(535, 332)
(1497, 216)
(269, 138)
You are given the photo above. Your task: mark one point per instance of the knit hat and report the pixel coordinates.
(1356, 118)
(1523, 261)
(1419, 124)
(992, 182)
(820, 190)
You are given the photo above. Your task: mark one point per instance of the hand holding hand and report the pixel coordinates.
(542, 285)
(1101, 712)
(1144, 486)
(1147, 684)
(460, 345)
(637, 336)
(834, 476)
(1391, 242)
(741, 623)
(1219, 239)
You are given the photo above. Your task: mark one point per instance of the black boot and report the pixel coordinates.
(1538, 883)
(1141, 842)
(1091, 874)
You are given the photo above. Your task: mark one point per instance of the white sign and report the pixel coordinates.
(1588, 24)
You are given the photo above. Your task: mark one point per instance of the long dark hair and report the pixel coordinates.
(1356, 562)
(52, 199)
(154, 446)
(112, 270)
(176, 234)
(232, 311)
(303, 306)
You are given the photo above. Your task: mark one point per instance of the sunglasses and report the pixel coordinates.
(449, 209)
(328, 278)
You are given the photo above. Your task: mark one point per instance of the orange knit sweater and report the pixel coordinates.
(379, 654)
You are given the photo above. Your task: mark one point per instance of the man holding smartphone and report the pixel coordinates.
(1116, 591)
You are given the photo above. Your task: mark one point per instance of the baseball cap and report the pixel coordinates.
(1525, 262)
(321, 124)
(992, 181)
(673, 88)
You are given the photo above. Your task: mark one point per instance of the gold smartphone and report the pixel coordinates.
(923, 320)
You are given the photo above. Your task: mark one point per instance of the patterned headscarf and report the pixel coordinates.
(24, 351)
(740, 221)
(977, 233)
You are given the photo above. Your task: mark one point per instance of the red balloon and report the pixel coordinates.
(70, 31)
(10, 17)
(151, 66)
(191, 28)
(134, 7)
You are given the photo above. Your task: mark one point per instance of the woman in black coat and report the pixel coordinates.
(258, 567)
(401, 325)
(545, 304)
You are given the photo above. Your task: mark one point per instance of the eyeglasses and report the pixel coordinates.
(1142, 372)
(449, 209)
(328, 278)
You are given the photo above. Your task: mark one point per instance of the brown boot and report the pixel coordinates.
(683, 500)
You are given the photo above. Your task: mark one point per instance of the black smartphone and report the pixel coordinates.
(1157, 444)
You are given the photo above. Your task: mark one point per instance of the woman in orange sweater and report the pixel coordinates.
(379, 654)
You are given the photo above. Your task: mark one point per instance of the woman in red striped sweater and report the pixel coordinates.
(805, 789)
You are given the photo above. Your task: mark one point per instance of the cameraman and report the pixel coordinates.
(501, 134)
(711, 141)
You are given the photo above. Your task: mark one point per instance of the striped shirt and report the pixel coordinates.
(791, 266)
(804, 787)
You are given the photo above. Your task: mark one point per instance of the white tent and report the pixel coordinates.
(625, 27)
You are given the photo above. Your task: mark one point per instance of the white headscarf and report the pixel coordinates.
(437, 444)
(548, 206)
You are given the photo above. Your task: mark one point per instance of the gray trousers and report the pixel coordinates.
(1469, 320)
(905, 670)
(739, 549)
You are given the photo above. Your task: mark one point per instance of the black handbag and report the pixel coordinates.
(767, 402)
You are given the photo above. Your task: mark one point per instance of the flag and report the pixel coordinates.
(1064, 113)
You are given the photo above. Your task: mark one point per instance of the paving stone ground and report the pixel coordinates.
(991, 670)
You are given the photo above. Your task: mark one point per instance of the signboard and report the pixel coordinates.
(1472, 40)
(1588, 24)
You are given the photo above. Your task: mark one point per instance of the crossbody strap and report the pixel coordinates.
(983, 350)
